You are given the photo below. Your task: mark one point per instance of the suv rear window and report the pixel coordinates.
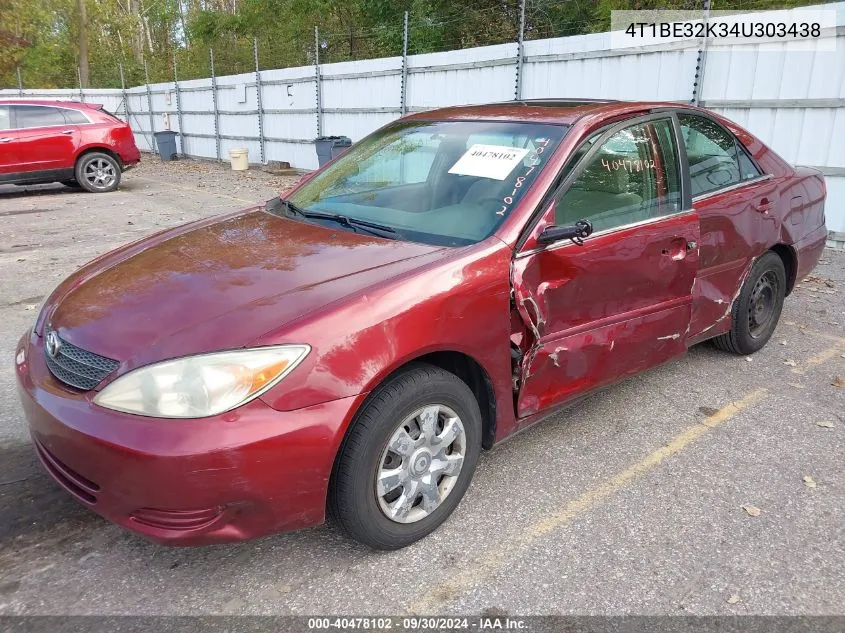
(75, 117)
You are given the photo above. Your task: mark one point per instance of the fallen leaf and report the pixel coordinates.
(749, 359)
(828, 283)
(783, 342)
(708, 411)
(809, 481)
(733, 599)
(790, 322)
(31, 306)
(791, 363)
(796, 385)
(825, 424)
(752, 511)
(839, 381)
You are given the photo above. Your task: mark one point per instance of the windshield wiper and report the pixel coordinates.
(380, 230)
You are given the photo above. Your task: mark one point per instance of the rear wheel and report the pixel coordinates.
(757, 309)
(408, 458)
(97, 172)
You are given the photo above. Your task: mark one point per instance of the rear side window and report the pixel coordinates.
(716, 159)
(37, 116)
(632, 177)
(74, 117)
(5, 118)
(747, 168)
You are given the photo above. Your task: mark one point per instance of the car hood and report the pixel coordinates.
(220, 285)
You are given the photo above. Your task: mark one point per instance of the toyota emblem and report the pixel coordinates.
(53, 344)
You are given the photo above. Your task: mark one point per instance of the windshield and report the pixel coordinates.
(444, 183)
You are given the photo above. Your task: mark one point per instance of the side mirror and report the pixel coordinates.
(576, 232)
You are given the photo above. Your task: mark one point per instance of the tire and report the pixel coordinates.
(756, 311)
(356, 503)
(97, 172)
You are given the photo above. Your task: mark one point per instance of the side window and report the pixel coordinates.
(74, 117)
(747, 168)
(712, 154)
(37, 116)
(5, 118)
(631, 178)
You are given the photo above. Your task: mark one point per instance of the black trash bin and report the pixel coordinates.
(166, 142)
(329, 147)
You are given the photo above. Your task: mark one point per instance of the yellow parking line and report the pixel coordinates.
(481, 569)
(821, 357)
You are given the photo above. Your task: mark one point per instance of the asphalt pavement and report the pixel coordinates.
(714, 484)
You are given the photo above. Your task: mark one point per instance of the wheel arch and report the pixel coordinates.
(464, 367)
(789, 258)
(99, 149)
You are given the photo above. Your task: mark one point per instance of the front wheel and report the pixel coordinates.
(757, 309)
(97, 172)
(407, 459)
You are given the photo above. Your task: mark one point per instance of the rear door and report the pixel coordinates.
(621, 302)
(735, 201)
(44, 141)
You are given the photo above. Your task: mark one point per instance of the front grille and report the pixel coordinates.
(75, 366)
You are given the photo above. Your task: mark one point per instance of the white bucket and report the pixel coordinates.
(240, 159)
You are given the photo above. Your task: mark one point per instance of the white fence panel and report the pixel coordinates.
(793, 100)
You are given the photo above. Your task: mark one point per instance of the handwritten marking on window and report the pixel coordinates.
(533, 160)
(628, 164)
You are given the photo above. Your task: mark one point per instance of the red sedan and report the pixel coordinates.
(454, 277)
(77, 144)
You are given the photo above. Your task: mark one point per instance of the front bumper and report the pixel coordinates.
(240, 475)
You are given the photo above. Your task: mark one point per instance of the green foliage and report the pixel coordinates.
(42, 36)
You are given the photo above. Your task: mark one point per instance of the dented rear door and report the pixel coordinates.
(621, 302)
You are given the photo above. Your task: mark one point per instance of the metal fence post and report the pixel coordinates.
(125, 96)
(698, 79)
(520, 45)
(20, 81)
(179, 107)
(260, 102)
(214, 103)
(317, 81)
(404, 80)
(150, 108)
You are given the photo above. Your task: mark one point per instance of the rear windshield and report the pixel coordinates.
(437, 182)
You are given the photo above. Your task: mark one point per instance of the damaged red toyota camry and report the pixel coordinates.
(456, 276)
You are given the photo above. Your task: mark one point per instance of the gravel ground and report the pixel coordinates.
(684, 490)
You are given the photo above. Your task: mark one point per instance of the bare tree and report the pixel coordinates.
(84, 76)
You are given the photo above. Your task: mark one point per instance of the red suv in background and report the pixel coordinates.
(77, 144)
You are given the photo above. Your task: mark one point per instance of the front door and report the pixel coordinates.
(621, 302)
(44, 140)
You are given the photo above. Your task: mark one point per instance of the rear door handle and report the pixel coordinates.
(762, 206)
(67, 132)
(5, 140)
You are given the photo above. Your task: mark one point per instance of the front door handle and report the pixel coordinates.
(677, 249)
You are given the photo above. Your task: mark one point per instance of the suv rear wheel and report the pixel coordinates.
(97, 172)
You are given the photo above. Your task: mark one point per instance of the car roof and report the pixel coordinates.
(557, 111)
(50, 102)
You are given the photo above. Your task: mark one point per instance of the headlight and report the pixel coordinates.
(200, 386)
